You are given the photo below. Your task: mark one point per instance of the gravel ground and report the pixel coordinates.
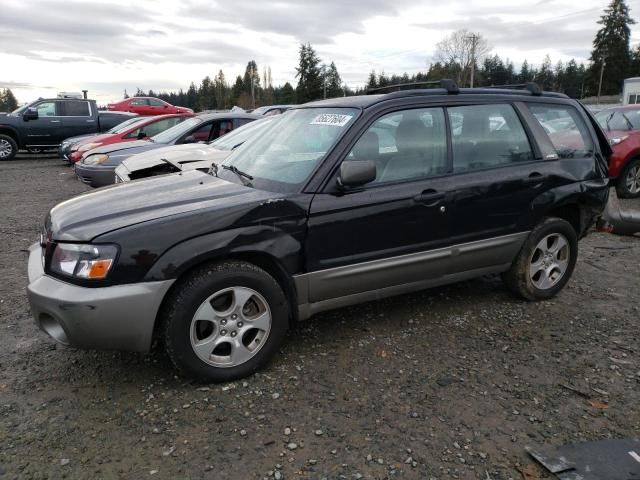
(453, 382)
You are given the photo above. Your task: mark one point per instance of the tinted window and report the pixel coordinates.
(154, 102)
(202, 134)
(405, 145)
(46, 109)
(76, 108)
(565, 128)
(485, 136)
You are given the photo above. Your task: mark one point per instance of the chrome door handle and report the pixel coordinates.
(55, 121)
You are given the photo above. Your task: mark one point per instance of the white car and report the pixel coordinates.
(191, 156)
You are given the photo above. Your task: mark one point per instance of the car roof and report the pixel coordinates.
(366, 101)
(232, 115)
(620, 107)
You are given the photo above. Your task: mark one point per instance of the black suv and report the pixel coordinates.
(339, 202)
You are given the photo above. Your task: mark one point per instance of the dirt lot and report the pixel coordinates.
(449, 383)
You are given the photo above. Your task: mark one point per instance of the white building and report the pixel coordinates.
(631, 91)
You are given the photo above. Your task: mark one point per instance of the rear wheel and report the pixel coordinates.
(628, 185)
(545, 262)
(225, 321)
(8, 147)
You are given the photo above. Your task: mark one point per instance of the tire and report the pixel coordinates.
(8, 148)
(224, 321)
(628, 184)
(541, 269)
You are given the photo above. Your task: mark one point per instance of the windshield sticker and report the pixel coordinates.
(335, 119)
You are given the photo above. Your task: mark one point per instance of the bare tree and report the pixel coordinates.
(462, 51)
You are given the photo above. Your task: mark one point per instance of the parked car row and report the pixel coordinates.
(330, 204)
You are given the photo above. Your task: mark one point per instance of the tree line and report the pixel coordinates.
(8, 102)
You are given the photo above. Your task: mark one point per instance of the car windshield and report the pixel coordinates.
(124, 126)
(240, 135)
(19, 110)
(287, 152)
(619, 119)
(176, 131)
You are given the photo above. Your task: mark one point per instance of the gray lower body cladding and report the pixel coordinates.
(352, 284)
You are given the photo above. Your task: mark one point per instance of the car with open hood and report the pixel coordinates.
(316, 214)
(190, 156)
(97, 166)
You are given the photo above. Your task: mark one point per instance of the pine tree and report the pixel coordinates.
(332, 81)
(309, 75)
(126, 95)
(8, 102)
(525, 73)
(611, 45)
(373, 80)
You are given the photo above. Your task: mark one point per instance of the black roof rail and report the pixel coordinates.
(449, 85)
(532, 87)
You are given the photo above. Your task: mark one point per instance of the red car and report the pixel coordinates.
(147, 106)
(622, 126)
(142, 129)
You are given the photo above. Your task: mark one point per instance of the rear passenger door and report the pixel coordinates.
(77, 118)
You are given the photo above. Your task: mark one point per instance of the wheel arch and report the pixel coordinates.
(570, 212)
(11, 132)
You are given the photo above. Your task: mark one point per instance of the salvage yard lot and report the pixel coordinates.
(452, 382)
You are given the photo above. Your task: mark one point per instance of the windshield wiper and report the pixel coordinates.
(238, 172)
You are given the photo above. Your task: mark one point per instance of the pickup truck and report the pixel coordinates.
(45, 123)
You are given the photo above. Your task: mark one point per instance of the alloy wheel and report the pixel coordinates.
(5, 149)
(549, 261)
(230, 327)
(633, 179)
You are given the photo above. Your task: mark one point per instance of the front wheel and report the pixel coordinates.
(224, 321)
(628, 185)
(545, 261)
(8, 148)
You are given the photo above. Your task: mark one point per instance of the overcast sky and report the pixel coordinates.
(47, 46)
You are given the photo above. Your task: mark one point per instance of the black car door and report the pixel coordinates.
(77, 118)
(498, 172)
(388, 232)
(47, 129)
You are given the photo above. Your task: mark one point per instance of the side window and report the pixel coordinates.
(139, 101)
(202, 134)
(485, 136)
(160, 126)
(565, 128)
(154, 102)
(46, 109)
(405, 145)
(76, 108)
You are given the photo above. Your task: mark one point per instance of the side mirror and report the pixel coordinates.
(189, 139)
(356, 172)
(141, 135)
(30, 114)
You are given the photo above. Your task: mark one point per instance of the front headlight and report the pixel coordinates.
(91, 262)
(89, 146)
(95, 159)
(617, 140)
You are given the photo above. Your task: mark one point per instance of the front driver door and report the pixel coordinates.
(47, 129)
(392, 231)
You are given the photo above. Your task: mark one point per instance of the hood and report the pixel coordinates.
(119, 151)
(100, 137)
(192, 152)
(86, 216)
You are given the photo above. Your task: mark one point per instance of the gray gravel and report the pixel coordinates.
(448, 383)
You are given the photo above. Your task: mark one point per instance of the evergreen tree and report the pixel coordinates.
(525, 73)
(126, 95)
(8, 102)
(286, 95)
(611, 45)
(192, 96)
(545, 77)
(373, 80)
(634, 67)
(309, 75)
(332, 81)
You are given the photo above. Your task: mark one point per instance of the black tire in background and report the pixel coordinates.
(8, 147)
(194, 291)
(622, 187)
(519, 277)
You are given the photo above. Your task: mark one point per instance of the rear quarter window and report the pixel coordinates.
(565, 128)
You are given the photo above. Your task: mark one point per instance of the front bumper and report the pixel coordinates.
(121, 317)
(95, 175)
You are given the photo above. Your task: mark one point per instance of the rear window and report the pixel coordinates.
(565, 128)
